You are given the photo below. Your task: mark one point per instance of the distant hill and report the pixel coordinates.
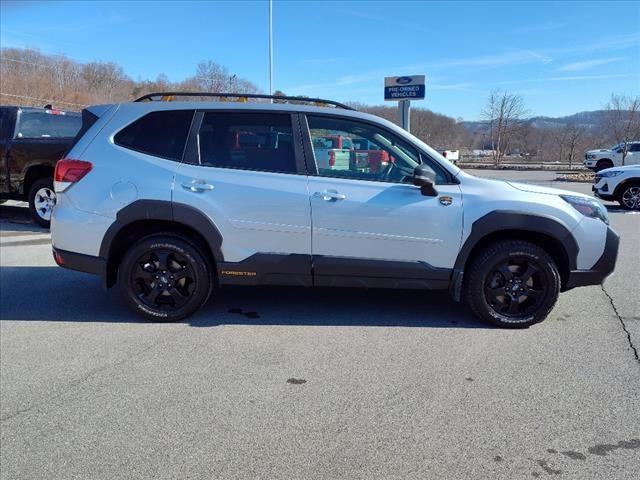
(593, 121)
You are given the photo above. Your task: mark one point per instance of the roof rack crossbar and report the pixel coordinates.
(149, 96)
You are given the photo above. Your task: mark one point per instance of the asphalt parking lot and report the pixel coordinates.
(281, 383)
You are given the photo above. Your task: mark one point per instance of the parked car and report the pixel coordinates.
(161, 199)
(612, 157)
(620, 184)
(32, 140)
(333, 151)
(451, 155)
(369, 156)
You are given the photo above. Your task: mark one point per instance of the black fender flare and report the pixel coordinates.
(505, 220)
(164, 210)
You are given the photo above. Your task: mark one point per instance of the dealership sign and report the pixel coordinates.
(404, 88)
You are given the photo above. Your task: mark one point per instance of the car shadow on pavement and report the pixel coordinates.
(17, 218)
(618, 209)
(57, 294)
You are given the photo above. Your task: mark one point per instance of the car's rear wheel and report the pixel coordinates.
(602, 164)
(42, 199)
(512, 284)
(629, 196)
(164, 277)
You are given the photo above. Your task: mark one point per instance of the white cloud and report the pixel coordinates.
(588, 64)
(586, 77)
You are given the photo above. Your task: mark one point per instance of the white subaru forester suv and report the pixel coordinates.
(172, 200)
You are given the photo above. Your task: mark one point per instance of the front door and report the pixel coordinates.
(247, 175)
(371, 226)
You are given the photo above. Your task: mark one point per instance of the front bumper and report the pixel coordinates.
(590, 164)
(601, 269)
(601, 194)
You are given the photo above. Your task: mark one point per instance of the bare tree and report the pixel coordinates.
(573, 135)
(504, 113)
(29, 77)
(623, 120)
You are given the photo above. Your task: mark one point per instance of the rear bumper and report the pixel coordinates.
(601, 269)
(80, 262)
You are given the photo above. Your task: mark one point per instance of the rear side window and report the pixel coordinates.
(162, 134)
(247, 141)
(47, 124)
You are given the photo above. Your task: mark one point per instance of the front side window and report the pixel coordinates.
(370, 153)
(161, 134)
(247, 141)
(634, 147)
(48, 125)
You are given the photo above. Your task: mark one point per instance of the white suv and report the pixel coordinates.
(620, 184)
(172, 200)
(612, 157)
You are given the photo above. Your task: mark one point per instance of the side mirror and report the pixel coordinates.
(425, 178)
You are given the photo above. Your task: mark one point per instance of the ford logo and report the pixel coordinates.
(403, 80)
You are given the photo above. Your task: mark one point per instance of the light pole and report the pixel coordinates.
(270, 50)
(231, 79)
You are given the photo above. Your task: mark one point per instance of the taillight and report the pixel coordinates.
(332, 158)
(69, 171)
(444, 154)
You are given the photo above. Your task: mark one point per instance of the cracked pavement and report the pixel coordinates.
(286, 383)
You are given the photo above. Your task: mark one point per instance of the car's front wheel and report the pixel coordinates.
(602, 164)
(512, 284)
(629, 196)
(164, 277)
(42, 199)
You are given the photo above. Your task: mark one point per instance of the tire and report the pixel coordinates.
(505, 271)
(42, 199)
(602, 164)
(164, 277)
(629, 196)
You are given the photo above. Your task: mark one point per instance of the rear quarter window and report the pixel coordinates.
(48, 125)
(161, 134)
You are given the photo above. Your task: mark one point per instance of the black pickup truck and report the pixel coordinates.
(32, 140)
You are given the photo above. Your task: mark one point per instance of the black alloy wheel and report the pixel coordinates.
(515, 286)
(512, 284)
(165, 277)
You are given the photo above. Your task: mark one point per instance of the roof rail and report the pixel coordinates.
(150, 97)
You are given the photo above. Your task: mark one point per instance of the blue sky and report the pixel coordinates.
(563, 57)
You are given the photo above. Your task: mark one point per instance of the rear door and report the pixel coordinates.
(245, 171)
(372, 227)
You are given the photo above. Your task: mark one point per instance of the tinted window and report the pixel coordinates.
(373, 153)
(46, 124)
(634, 147)
(248, 141)
(162, 134)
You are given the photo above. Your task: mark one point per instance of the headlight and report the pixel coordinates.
(589, 207)
(591, 156)
(613, 173)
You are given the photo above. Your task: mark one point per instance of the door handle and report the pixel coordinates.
(330, 195)
(197, 186)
